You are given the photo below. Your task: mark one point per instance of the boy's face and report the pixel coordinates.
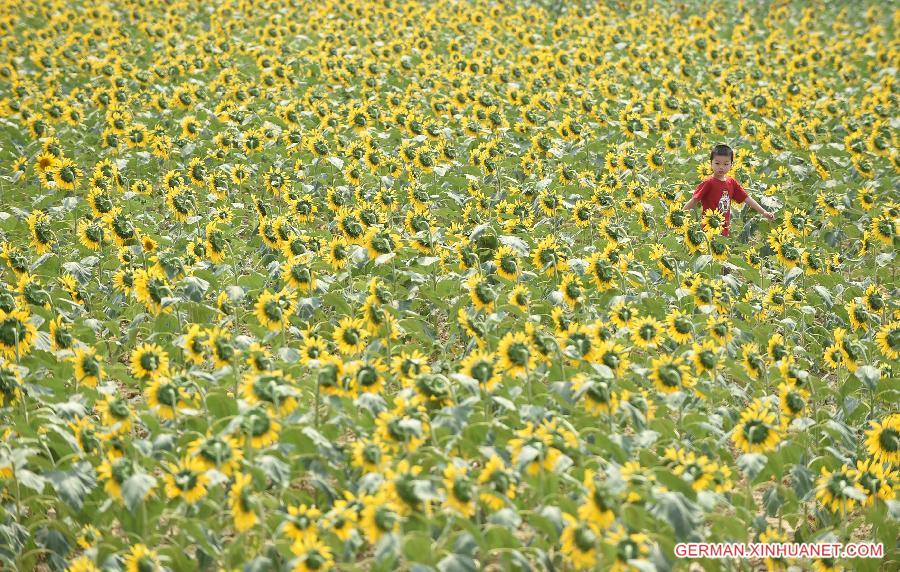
(721, 164)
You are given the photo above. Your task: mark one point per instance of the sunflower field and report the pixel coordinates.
(399, 285)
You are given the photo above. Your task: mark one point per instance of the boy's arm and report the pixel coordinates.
(755, 206)
(695, 197)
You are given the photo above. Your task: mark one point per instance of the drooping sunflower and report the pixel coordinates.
(240, 500)
(571, 289)
(753, 361)
(880, 482)
(260, 428)
(300, 523)
(482, 294)
(10, 383)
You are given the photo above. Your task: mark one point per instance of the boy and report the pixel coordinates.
(717, 191)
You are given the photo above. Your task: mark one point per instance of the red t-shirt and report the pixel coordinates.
(715, 194)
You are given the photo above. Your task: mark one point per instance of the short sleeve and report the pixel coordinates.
(701, 190)
(739, 193)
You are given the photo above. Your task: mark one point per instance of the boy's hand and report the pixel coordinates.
(768, 216)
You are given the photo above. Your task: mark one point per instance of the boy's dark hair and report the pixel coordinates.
(722, 149)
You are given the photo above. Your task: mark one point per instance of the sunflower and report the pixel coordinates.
(300, 523)
(313, 555)
(222, 453)
(622, 313)
(273, 310)
(696, 470)
(705, 356)
(258, 357)
(839, 491)
(878, 481)
(241, 502)
(571, 290)
(680, 327)
(90, 234)
(670, 374)
(757, 430)
(216, 243)
(884, 228)
(599, 398)
(187, 480)
(149, 361)
(270, 388)
(66, 173)
(792, 402)
(17, 334)
(507, 263)
(601, 271)
(753, 361)
(579, 543)
(713, 223)
(776, 348)
(883, 440)
(196, 344)
(142, 559)
(481, 292)
(114, 473)
(368, 376)
(482, 367)
(548, 257)
(152, 288)
(298, 273)
(408, 365)
(888, 340)
(720, 328)
(380, 516)
(10, 383)
(115, 414)
(88, 369)
(338, 253)
(498, 484)
(646, 331)
(516, 355)
(350, 335)
(42, 238)
(164, 396)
